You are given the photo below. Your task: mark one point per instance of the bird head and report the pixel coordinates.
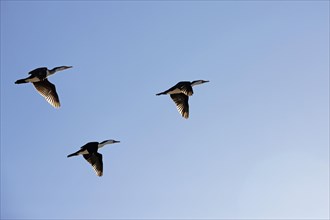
(65, 67)
(56, 69)
(111, 141)
(197, 82)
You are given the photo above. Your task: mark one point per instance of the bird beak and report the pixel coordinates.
(69, 67)
(116, 141)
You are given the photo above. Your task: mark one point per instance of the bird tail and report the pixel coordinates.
(74, 154)
(161, 93)
(20, 81)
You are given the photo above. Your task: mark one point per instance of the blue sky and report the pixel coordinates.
(256, 144)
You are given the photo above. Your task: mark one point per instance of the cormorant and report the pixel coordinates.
(89, 152)
(180, 94)
(45, 88)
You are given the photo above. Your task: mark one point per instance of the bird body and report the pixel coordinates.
(88, 148)
(90, 153)
(45, 88)
(181, 87)
(180, 95)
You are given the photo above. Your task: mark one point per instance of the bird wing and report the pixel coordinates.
(48, 91)
(181, 101)
(186, 89)
(95, 159)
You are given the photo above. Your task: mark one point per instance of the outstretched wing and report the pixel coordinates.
(48, 91)
(95, 159)
(181, 102)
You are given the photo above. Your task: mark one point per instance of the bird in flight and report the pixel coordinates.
(45, 88)
(180, 95)
(89, 152)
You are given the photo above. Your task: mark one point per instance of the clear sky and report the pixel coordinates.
(256, 144)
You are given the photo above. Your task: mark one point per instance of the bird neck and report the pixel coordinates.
(56, 69)
(102, 144)
(52, 71)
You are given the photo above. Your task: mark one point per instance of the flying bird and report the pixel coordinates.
(89, 152)
(180, 95)
(45, 88)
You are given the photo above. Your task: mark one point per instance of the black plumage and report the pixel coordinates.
(180, 95)
(45, 88)
(91, 155)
